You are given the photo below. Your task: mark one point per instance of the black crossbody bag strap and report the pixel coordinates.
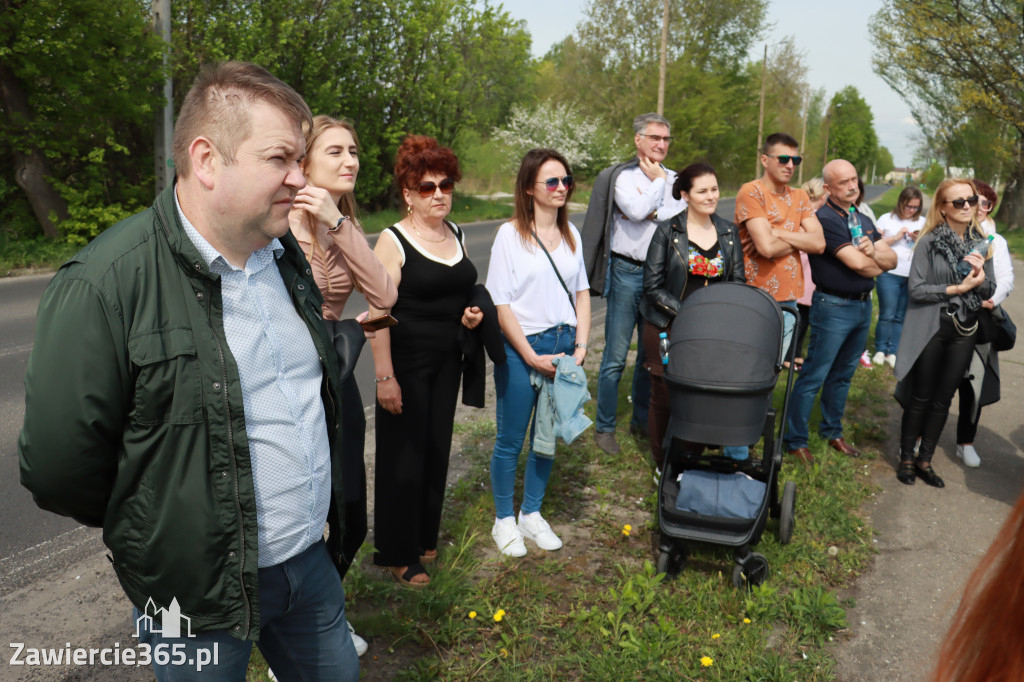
(553, 267)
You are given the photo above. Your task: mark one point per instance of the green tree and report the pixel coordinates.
(959, 64)
(883, 162)
(851, 133)
(78, 88)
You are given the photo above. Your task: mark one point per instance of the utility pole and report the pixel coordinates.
(664, 61)
(760, 117)
(162, 158)
(803, 140)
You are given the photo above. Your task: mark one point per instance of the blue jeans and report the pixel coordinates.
(622, 316)
(892, 305)
(303, 632)
(839, 330)
(517, 399)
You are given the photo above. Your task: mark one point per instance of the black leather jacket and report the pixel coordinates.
(666, 268)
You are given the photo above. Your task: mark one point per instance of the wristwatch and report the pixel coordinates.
(337, 225)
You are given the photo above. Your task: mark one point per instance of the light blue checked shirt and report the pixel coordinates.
(281, 375)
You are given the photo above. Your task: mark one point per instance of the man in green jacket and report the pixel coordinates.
(181, 394)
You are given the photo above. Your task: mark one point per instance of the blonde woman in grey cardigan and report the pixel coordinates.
(941, 323)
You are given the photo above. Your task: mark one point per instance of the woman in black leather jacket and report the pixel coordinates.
(692, 249)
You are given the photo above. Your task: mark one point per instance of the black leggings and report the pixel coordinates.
(934, 379)
(967, 424)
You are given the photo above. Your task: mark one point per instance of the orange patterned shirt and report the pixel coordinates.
(782, 277)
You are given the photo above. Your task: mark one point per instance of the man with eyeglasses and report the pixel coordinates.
(840, 313)
(776, 222)
(626, 203)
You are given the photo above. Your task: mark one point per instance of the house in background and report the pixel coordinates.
(901, 176)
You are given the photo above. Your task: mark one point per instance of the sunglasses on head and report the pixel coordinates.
(426, 189)
(784, 159)
(552, 183)
(960, 203)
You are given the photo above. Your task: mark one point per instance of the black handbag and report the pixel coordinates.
(348, 338)
(1005, 335)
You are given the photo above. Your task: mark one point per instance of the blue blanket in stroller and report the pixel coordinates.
(734, 496)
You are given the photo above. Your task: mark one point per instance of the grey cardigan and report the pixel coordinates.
(930, 274)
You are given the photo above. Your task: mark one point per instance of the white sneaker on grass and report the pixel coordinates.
(357, 641)
(534, 526)
(890, 360)
(968, 455)
(508, 538)
(878, 358)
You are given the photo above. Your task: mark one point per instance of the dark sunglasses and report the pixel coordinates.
(784, 159)
(426, 189)
(960, 203)
(552, 183)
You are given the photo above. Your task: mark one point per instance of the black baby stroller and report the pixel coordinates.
(723, 363)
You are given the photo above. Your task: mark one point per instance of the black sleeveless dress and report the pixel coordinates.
(413, 447)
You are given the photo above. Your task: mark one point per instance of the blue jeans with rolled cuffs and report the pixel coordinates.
(303, 631)
(839, 330)
(516, 400)
(622, 316)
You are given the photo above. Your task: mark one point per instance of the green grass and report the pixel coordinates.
(596, 610)
(886, 202)
(25, 255)
(1014, 239)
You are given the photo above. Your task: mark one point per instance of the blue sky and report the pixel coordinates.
(819, 28)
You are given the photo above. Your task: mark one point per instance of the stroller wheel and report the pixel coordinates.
(753, 571)
(787, 515)
(671, 561)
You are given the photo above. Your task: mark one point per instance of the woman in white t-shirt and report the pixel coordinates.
(899, 229)
(541, 320)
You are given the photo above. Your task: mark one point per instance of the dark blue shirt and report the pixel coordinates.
(828, 272)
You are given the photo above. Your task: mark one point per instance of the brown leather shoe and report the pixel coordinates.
(802, 454)
(841, 446)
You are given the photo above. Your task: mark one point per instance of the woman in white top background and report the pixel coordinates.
(899, 229)
(540, 322)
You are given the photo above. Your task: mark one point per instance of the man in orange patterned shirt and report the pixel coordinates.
(776, 222)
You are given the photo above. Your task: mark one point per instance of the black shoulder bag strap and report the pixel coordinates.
(553, 267)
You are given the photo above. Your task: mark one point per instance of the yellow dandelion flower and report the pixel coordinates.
(503, 652)
(472, 614)
(498, 615)
(715, 636)
(747, 621)
(707, 661)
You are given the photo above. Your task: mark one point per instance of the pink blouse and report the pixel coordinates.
(348, 263)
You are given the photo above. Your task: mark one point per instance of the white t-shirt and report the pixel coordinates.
(889, 226)
(521, 277)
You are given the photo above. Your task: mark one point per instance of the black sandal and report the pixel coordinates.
(928, 475)
(411, 572)
(906, 473)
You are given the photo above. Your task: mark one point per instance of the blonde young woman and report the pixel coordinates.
(323, 220)
(941, 323)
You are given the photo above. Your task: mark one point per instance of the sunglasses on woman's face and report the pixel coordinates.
(960, 203)
(985, 203)
(426, 189)
(552, 183)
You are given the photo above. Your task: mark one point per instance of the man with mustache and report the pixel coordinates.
(840, 313)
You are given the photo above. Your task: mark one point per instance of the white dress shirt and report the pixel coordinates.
(636, 198)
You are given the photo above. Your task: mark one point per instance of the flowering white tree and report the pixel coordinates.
(585, 142)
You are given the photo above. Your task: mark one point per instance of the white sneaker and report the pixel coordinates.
(890, 360)
(878, 358)
(534, 526)
(357, 641)
(968, 455)
(508, 538)
(271, 675)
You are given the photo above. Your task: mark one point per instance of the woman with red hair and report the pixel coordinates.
(418, 362)
(984, 641)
